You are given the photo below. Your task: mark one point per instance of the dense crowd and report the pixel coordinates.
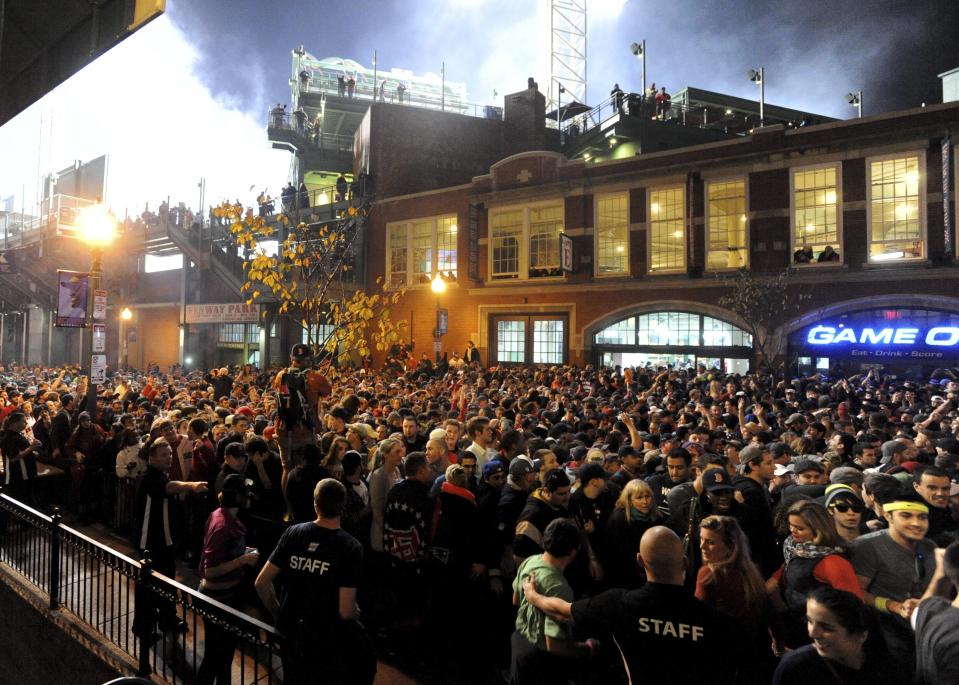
(539, 524)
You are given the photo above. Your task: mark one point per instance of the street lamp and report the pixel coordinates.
(759, 78)
(855, 99)
(97, 230)
(438, 286)
(639, 50)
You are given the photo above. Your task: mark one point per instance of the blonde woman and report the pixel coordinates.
(634, 514)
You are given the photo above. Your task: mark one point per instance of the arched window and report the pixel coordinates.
(672, 329)
(680, 339)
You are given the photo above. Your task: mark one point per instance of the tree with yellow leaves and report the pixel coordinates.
(312, 279)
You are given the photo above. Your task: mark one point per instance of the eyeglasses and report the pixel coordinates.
(844, 508)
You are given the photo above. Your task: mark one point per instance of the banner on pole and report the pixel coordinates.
(72, 296)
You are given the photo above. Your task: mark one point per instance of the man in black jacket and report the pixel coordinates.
(757, 521)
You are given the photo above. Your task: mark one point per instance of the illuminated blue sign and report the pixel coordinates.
(893, 336)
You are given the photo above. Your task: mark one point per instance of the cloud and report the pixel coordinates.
(143, 104)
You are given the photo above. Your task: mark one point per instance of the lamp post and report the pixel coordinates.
(98, 229)
(438, 286)
(759, 78)
(855, 99)
(639, 50)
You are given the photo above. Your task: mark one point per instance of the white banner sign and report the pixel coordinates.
(98, 369)
(223, 313)
(99, 337)
(99, 305)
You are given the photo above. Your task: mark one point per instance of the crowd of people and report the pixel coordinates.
(529, 523)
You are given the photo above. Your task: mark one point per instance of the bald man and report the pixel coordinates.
(665, 634)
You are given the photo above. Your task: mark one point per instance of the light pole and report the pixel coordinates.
(855, 99)
(438, 286)
(98, 229)
(639, 50)
(759, 78)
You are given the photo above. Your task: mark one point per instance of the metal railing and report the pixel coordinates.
(369, 92)
(305, 128)
(634, 105)
(316, 206)
(56, 214)
(103, 589)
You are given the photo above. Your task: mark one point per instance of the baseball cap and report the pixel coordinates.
(795, 418)
(841, 490)
(751, 453)
(783, 469)
(715, 480)
(234, 488)
(492, 468)
(846, 475)
(519, 469)
(555, 479)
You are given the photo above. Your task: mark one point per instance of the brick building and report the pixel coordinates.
(862, 212)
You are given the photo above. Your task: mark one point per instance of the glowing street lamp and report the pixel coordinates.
(97, 230)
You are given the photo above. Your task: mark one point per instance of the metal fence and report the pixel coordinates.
(103, 589)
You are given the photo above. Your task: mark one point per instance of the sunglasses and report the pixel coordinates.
(844, 508)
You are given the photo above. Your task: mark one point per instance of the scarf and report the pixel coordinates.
(807, 550)
(636, 515)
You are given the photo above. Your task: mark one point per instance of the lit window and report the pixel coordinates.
(726, 225)
(511, 341)
(816, 216)
(548, 341)
(669, 328)
(417, 249)
(506, 235)
(895, 211)
(524, 243)
(545, 225)
(620, 333)
(235, 334)
(667, 230)
(675, 329)
(612, 234)
(154, 263)
(398, 254)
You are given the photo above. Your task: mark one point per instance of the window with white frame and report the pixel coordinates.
(667, 230)
(726, 225)
(612, 234)
(529, 338)
(816, 216)
(511, 341)
(548, 341)
(895, 212)
(417, 249)
(524, 243)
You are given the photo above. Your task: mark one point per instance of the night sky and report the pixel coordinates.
(814, 51)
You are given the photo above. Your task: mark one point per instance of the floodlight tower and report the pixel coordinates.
(567, 51)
